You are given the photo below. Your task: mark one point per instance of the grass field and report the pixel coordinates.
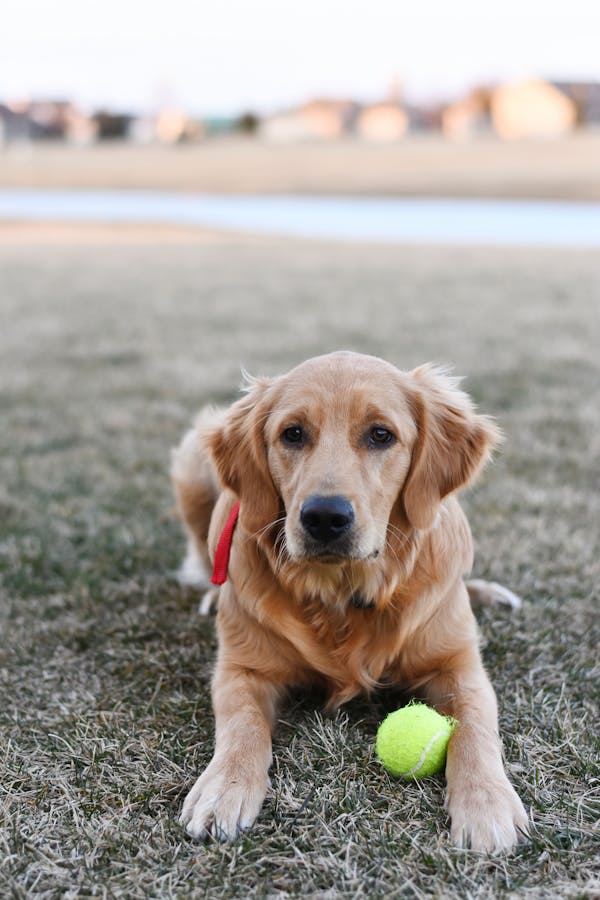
(421, 166)
(109, 343)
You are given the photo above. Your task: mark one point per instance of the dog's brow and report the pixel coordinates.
(374, 413)
(287, 414)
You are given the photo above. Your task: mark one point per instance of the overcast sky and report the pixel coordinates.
(223, 56)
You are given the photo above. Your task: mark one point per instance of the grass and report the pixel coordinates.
(425, 165)
(106, 352)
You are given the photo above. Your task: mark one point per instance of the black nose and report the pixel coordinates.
(326, 518)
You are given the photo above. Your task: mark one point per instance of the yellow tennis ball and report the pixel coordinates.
(412, 741)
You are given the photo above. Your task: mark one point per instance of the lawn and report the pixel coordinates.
(108, 346)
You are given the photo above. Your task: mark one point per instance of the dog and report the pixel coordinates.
(346, 569)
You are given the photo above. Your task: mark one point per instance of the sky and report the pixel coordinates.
(228, 56)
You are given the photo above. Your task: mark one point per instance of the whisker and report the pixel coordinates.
(280, 555)
(398, 532)
(389, 547)
(402, 537)
(280, 544)
(266, 527)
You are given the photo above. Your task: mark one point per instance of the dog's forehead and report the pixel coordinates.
(350, 384)
(343, 364)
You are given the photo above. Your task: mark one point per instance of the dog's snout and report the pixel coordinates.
(326, 518)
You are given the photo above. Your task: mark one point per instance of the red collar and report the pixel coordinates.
(219, 572)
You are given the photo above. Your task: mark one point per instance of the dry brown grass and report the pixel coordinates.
(107, 349)
(428, 166)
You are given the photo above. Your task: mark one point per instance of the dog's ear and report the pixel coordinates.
(452, 445)
(238, 450)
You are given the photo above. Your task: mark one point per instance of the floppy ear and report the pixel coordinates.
(453, 444)
(238, 450)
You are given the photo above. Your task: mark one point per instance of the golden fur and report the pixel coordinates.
(391, 609)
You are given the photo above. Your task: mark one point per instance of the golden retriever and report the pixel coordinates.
(346, 570)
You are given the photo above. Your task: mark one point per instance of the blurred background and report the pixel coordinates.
(383, 98)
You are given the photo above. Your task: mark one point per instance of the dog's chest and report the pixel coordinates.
(352, 647)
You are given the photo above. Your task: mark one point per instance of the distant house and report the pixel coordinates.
(219, 125)
(14, 122)
(317, 120)
(80, 128)
(382, 122)
(532, 109)
(586, 97)
(469, 117)
(112, 126)
(425, 117)
(45, 120)
(169, 125)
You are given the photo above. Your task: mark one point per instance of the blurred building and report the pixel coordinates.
(173, 126)
(382, 122)
(469, 117)
(45, 120)
(525, 109)
(425, 117)
(586, 97)
(532, 109)
(316, 120)
(220, 125)
(111, 125)
(15, 124)
(169, 126)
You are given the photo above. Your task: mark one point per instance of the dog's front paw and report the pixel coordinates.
(488, 816)
(224, 801)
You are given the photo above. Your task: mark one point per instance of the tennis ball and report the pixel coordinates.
(412, 741)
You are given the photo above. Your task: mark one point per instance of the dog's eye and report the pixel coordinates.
(293, 435)
(380, 436)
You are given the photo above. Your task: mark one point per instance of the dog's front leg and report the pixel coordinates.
(229, 794)
(485, 811)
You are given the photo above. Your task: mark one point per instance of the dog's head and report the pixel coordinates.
(341, 446)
